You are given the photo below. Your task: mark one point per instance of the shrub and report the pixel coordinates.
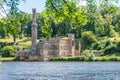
(27, 39)
(107, 43)
(75, 58)
(7, 51)
(113, 59)
(97, 46)
(81, 58)
(88, 55)
(118, 47)
(2, 44)
(19, 48)
(88, 37)
(51, 59)
(109, 49)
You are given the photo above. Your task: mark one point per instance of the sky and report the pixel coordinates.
(38, 4)
(29, 4)
(1, 12)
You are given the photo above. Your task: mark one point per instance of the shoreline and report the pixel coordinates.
(67, 59)
(59, 61)
(62, 61)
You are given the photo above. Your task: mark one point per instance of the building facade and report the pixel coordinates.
(53, 47)
(56, 46)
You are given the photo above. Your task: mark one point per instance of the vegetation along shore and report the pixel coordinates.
(95, 26)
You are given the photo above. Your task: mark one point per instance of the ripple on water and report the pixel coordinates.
(60, 71)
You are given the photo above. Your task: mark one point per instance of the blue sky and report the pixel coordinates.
(38, 4)
(29, 4)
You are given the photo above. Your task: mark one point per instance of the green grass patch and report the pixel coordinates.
(7, 58)
(83, 58)
(75, 58)
(21, 44)
(113, 55)
(105, 58)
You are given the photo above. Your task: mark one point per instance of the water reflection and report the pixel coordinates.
(60, 71)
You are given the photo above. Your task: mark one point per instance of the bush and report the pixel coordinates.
(8, 51)
(23, 46)
(88, 37)
(19, 48)
(2, 44)
(88, 55)
(109, 49)
(108, 42)
(75, 58)
(97, 46)
(27, 39)
(118, 47)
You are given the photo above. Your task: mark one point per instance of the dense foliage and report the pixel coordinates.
(7, 51)
(62, 17)
(90, 23)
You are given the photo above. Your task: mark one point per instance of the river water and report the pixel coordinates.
(60, 71)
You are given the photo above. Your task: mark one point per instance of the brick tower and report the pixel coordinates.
(34, 30)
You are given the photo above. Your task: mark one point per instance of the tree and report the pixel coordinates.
(2, 28)
(24, 19)
(12, 16)
(116, 21)
(92, 6)
(87, 39)
(67, 13)
(11, 4)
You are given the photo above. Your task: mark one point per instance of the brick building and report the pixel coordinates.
(56, 46)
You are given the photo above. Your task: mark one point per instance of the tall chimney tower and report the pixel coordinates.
(34, 29)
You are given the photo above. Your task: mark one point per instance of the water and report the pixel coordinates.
(60, 71)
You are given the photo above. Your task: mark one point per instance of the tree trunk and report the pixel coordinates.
(14, 39)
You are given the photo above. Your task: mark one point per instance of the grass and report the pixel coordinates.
(24, 43)
(7, 58)
(11, 39)
(117, 39)
(111, 57)
(107, 58)
(72, 58)
(114, 38)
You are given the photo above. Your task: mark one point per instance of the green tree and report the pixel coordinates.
(87, 39)
(116, 21)
(68, 14)
(2, 28)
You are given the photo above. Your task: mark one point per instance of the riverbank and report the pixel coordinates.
(8, 59)
(82, 58)
(76, 58)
